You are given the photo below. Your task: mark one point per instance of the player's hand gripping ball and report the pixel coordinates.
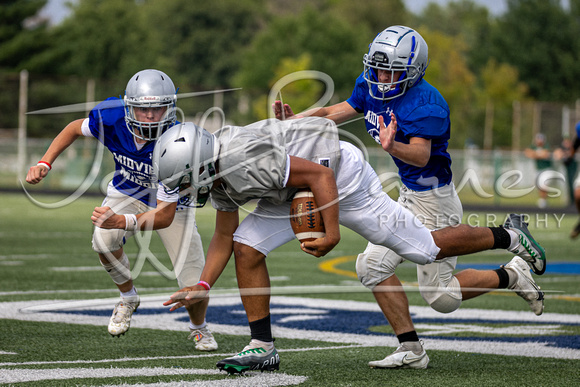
(305, 217)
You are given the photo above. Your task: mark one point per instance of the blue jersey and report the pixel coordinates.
(133, 168)
(421, 112)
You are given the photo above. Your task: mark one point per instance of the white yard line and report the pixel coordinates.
(252, 378)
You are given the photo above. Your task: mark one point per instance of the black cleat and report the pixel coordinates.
(252, 359)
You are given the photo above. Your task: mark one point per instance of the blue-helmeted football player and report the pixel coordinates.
(129, 128)
(392, 89)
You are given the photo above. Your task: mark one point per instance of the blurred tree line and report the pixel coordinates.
(531, 52)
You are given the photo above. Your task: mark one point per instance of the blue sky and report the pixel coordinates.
(57, 10)
(496, 7)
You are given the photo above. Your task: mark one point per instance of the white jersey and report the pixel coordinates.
(253, 160)
(253, 164)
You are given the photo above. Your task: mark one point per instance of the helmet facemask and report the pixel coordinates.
(150, 89)
(389, 90)
(396, 49)
(149, 131)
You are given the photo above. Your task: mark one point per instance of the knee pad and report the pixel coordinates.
(444, 299)
(105, 241)
(118, 269)
(376, 264)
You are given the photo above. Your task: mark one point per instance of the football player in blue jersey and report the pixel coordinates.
(129, 128)
(392, 89)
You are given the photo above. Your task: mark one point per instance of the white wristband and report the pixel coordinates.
(44, 164)
(130, 222)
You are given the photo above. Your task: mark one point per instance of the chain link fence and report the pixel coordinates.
(481, 175)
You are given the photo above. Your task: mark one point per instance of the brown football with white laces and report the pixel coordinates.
(305, 217)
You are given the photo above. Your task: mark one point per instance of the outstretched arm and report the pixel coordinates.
(339, 112)
(62, 141)
(218, 254)
(320, 180)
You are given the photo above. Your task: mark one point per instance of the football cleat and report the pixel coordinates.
(525, 286)
(576, 231)
(203, 339)
(527, 248)
(404, 357)
(251, 358)
(121, 319)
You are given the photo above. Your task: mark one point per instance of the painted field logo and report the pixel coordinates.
(499, 332)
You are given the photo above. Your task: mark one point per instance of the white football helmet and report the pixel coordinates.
(397, 48)
(150, 88)
(184, 159)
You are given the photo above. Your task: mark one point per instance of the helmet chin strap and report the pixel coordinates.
(395, 89)
(392, 92)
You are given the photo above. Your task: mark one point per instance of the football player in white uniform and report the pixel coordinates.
(269, 161)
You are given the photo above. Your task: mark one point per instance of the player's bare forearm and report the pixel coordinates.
(416, 153)
(339, 112)
(320, 180)
(218, 254)
(285, 112)
(220, 247)
(62, 141)
(158, 218)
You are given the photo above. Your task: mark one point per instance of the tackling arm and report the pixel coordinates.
(155, 219)
(62, 141)
(339, 112)
(218, 254)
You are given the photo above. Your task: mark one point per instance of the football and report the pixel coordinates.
(305, 218)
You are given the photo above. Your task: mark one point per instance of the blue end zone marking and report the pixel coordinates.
(563, 268)
(348, 322)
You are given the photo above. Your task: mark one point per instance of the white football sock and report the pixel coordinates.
(130, 293)
(193, 326)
